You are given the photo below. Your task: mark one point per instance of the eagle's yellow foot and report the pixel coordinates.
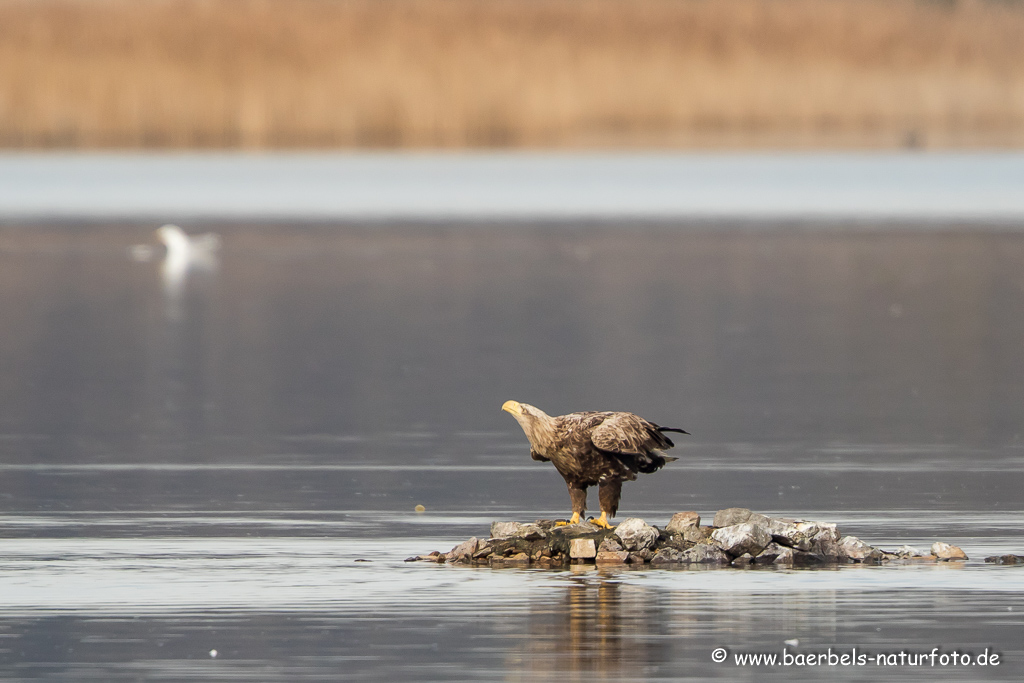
(575, 519)
(601, 521)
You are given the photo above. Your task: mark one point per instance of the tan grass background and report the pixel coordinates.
(510, 73)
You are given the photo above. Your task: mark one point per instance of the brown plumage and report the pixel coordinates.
(594, 449)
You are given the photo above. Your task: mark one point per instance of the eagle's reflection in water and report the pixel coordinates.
(601, 628)
(609, 625)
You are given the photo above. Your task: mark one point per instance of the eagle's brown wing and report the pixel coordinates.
(626, 434)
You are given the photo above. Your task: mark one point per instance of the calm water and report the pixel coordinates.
(228, 459)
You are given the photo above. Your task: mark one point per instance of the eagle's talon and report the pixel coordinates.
(601, 521)
(575, 519)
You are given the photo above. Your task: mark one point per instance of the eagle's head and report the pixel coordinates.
(521, 410)
(534, 421)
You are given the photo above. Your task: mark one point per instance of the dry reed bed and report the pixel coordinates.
(454, 73)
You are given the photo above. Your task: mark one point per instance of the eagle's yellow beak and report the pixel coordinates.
(511, 407)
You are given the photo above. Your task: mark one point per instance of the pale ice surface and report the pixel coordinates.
(929, 186)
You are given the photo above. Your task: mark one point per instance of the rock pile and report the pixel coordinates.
(736, 537)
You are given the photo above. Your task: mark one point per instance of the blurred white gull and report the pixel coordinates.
(185, 253)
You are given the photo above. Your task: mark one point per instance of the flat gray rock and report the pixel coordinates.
(636, 534)
(504, 529)
(612, 557)
(681, 521)
(582, 548)
(705, 554)
(945, 551)
(731, 516)
(463, 552)
(748, 537)
(855, 549)
(801, 534)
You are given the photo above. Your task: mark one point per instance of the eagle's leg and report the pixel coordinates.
(579, 504)
(609, 496)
